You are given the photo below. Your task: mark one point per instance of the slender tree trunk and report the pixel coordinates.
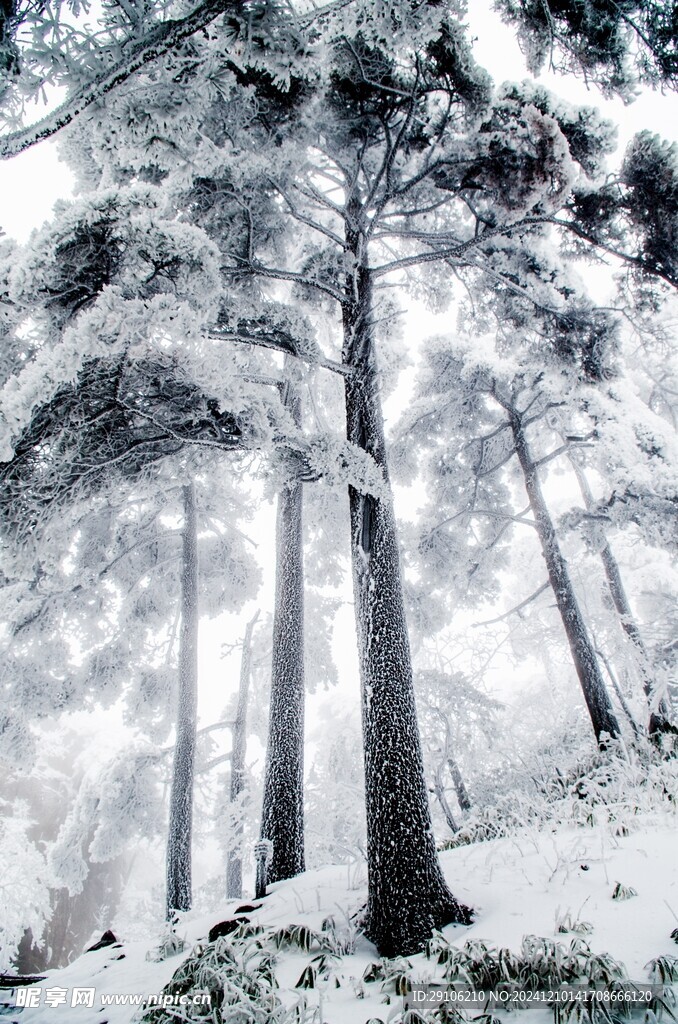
(459, 785)
(407, 894)
(238, 750)
(618, 692)
(439, 790)
(179, 893)
(660, 719)
(283, 811)
(463, 798)
(583, 654)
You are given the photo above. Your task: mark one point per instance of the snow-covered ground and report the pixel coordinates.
(519, 885)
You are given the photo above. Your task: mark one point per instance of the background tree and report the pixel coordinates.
(238, 755)
(282, 820)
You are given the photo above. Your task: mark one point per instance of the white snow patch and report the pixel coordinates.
(517, 885)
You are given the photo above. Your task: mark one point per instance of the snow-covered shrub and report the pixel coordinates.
(238, 975)
(24, 891)
(170, 944)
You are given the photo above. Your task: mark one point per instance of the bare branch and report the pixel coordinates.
(516, 609)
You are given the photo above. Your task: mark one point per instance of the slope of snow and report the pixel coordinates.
(520, 885)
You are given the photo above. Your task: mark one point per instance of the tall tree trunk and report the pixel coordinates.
(583, 654)
(238, 750)
(283, 810)
(179, 893)
(407, 894)
(660, 719)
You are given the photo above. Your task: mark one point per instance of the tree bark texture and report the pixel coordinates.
(283, 807)
(407, 894)
(660, 718)
(238, 751)
(179, 893)
(583, 655)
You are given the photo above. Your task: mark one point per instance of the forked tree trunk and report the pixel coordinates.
(407, 894)
(583, 655)
(179, 893)
(659, 715)
(283, 808)
(238, 751)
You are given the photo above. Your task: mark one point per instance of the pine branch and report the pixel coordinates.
(158, 41)
(270, 343)
(598, 243)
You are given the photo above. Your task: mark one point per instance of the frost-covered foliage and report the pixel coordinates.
(610, 44)
(238, 974)
(547, 790)
(114, 593)
(115, 806)
(457, 720)
(24, 889)
(44, 802)
(334, 811)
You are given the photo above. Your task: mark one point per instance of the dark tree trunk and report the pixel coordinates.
(459, 785)
(407, 894)
(238, 751)
(179, 893)
(283, 810)
(660, 719)
(583, 654)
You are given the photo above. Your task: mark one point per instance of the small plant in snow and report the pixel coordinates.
(320, 969)
(623, 892)
(170, 943)
(541, 964)
(394, 974)
(342, 936)
(302, 937)
(566, 923)
(663, 969)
